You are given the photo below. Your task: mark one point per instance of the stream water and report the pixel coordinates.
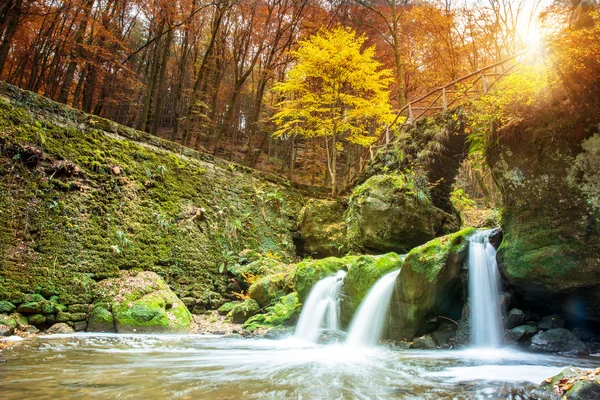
(213, 367)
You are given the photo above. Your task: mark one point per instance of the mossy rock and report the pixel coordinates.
(551, 217)
(362, 275)
(143, 303)
(269, 289)
(256, 268)
(430, 284)
(285, 312)
(309, 272)
(323, 228)
(226, 308)
(8, 321)
(572, 383)
(101, 319)
(241, 311)
(392, 213)
(6, 307)
(36, 319)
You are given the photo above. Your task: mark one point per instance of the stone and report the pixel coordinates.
(241, 311)
(78, 308)
(585, 334)
(514, 318)
(431, 283)
(559, 341)
(101, 319)
(424, 343)
(269, 289)
(60, 327)
(80, 326)
(189, 302)
(551, 322)
(6, 330)
(77, 317)
(285, 312)
(391, 213)
(142, 303)
(30, 307)
(48, 307)
(551, 246)
(63, 316)
(20, 320)
(323, 228)
(6, 307)
(309, 272)
(444, 335)
(7, 320)
(572, 384)
(226, 308)
(31, 329)
(36, 319)
(522, 333)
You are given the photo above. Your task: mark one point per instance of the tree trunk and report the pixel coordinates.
(14, 15)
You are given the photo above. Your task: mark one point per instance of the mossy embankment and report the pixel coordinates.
(82, 198)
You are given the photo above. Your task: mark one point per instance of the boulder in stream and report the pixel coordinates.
(514, 318)
(572, 384)
(139, 303)
(322, 228)
(558, 340)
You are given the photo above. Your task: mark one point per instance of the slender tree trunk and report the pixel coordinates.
(14, 15)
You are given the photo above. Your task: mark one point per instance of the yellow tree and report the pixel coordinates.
(335, 91)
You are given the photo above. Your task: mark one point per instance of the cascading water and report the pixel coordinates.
(321, 307)
(368, 322)
(484, 292)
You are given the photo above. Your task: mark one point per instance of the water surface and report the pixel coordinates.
(215, 367)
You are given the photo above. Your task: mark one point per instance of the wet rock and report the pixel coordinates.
(522, 333)
(424, 343)
(323, 229)
(551, 322)
(463, 333)
(584, 334)
(514, 318)
(6, 330)
(269, 289)
(558, 341)
(332, 336)
(234, 336)
(278, 332)
(444, 335)
(431, 283)
(80, 326)
(60, 327)
(6, 307)
(572, 384)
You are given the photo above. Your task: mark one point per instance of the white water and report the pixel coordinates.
(368, 322)
(320, 309)
(484, 292)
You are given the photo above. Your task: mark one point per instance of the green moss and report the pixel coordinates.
(8, 321)
(6, 307)
(362, 274)
(160, 211)
(226, 308)
(36, 319)
(430, 258)
(309, 272)
(243, 310)
(101, 319)
(284, 312)
(269, 289)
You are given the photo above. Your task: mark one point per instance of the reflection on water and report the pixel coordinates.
(213, 367)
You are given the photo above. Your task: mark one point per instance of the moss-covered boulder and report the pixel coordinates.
(430, 284)
(269, 289)
(243, 310)
(323, 228)
(140, 303)
(393, 213)
(309, 272)
(285, 312)
(362, 274)
(548, 169)
(101, 319)
(572, 383)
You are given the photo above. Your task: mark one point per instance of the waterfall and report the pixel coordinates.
(368, 322)
(320, 308)
(484, 292)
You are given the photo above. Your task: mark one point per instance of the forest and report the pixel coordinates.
(312, 199)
